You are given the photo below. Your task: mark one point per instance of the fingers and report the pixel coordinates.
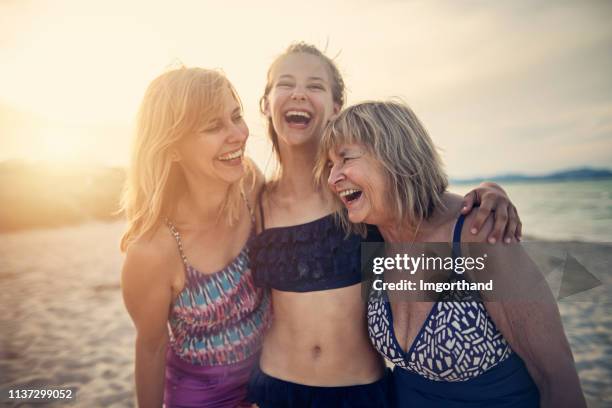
(513, 223)
(501, 221)
(484, 211)
(468, 202)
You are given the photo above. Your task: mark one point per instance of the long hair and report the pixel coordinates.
(174, 106)
(337, 85)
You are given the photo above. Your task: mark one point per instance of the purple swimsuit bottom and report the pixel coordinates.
(189, 385)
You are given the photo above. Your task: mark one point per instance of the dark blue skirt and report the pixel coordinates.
(270, 392)
(507, 385)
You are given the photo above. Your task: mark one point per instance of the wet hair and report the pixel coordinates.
(337, 84)
(394, 136)
(174, 106)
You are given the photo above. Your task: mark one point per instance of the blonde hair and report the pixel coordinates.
(175, 104)
(337, 84)
(392, 133)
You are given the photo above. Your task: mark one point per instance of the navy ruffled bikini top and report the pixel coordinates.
(307, 257)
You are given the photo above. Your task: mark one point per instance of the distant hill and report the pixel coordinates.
(580, 174)
(43, 195)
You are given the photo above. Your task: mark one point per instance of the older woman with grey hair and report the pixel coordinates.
(384, 169)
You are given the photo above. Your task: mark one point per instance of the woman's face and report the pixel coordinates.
(215, 151)
(300, 101)
(358, 180)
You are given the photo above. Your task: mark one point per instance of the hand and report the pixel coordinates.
(493, 199)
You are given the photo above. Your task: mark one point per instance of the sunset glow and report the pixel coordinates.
(529, 77)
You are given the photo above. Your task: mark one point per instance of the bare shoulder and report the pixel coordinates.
(151, 257)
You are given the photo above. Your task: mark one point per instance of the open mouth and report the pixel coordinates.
(231, 155)
(301, 118)
(350, 195)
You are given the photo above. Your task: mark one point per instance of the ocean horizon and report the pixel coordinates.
(560, 210)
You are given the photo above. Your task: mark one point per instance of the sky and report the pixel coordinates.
(521, 86)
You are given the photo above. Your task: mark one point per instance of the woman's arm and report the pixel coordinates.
(525, 312)
(147, 295)
(493, 199)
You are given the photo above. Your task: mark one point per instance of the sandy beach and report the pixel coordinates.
(63, 324)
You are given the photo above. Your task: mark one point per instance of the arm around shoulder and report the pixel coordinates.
(525, 311)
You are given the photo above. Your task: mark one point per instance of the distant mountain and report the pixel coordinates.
(580, 174)
(42, 195)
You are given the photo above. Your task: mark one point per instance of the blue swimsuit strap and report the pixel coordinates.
(457, 236)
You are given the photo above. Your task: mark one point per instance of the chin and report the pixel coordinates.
(355, 218)
(233, 175)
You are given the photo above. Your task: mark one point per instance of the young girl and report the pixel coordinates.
(186, 282)
(317, 352)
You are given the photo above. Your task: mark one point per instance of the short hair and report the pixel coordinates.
(392, 133)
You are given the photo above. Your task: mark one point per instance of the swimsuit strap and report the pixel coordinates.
(179, 243)
(260, 204)
(246, 201)
(457, 236)
(177, 236)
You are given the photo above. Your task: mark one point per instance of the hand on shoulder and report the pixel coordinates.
(483, 234)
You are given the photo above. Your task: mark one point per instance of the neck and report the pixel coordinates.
(296, 178)
(405, 231)
(200, 203)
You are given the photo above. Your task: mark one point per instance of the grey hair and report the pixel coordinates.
(392, 133)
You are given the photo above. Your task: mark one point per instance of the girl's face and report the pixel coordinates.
(300, 101)
(215, 151)
(358, 180)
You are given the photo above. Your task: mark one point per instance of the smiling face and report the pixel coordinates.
(358, 180)
(300, 100)
(215, 150)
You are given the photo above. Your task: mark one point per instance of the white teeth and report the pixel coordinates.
(298, 113)
(230, 156)
(345, 193)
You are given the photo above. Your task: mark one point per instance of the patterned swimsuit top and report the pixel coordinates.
(218, 318)
(307, 257)
(457, 342)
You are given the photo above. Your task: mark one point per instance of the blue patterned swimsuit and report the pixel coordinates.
(216, 328)
(458, 359)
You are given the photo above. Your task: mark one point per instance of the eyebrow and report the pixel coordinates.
(313, 78)
(349, 150)
(342, 152)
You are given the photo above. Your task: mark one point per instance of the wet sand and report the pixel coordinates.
(63, 324)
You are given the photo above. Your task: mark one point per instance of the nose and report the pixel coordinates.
(298, 95)
(335, 176)
(238, 133)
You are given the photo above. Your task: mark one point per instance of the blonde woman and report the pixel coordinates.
(454, 352)
(186, 282)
